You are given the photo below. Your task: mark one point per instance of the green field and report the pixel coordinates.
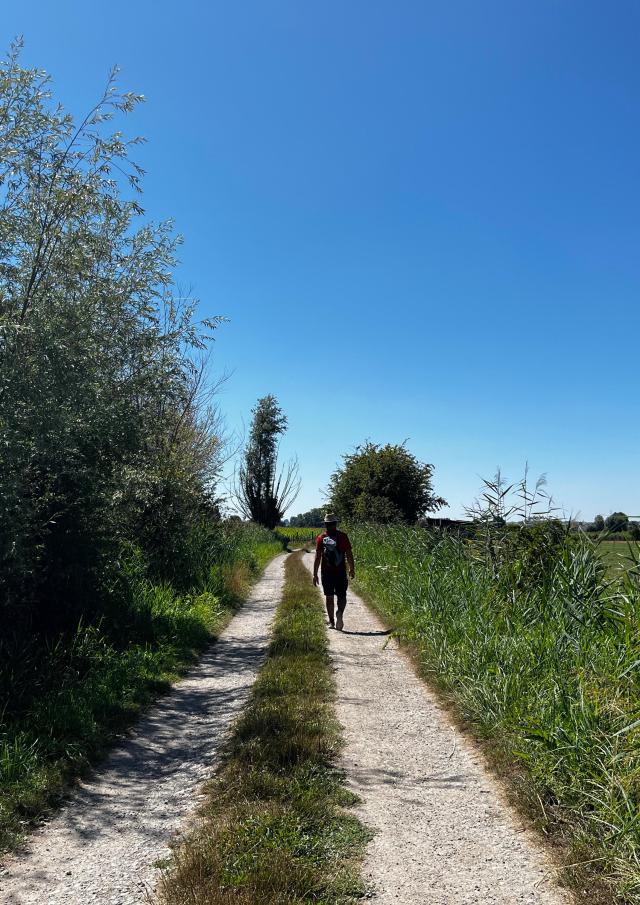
(619, 554)
(299, 535)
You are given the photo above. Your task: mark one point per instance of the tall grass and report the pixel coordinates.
(62, 699)
(540, 651)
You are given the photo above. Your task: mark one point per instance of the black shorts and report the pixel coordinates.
(334, 583)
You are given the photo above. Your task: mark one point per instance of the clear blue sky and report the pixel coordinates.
(422, 218)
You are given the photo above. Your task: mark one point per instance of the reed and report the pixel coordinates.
(537, 646)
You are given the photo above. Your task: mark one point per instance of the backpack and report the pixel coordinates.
(331, 555)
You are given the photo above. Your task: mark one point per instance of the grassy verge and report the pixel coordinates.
(544, 670)
(275, 827)
(63, 701)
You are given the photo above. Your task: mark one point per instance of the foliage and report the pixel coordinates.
(382, 484)
(62, 702)
(546, 668)
(275, 826)
(314, 518)
(617, 521)
(113, 562)
(263, 494)
(617, 527)
(514, 529)
(105, 432)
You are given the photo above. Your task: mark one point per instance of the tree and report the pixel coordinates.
(617, 522)
(598, 524)
(262, 494)
(314, 518)
(105, 436)
(383, 484)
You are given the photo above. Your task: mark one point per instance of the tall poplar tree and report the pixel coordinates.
(263, 493)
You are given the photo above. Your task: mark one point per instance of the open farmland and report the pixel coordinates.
(537, 647)
(299, 535)
(619, 554)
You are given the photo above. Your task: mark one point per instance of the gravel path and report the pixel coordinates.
(444, 832)
(103, 848)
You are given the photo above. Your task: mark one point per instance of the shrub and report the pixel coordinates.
(383, 484)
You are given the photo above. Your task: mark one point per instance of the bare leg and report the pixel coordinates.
(342, 602)
(329, 602)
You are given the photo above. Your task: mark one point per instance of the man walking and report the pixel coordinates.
(333, 552)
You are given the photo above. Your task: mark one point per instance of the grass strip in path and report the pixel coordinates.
(275, 827)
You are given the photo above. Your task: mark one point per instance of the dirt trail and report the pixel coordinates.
(444, 832)
(103, 848)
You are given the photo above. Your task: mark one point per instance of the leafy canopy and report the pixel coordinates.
(105, 432)
(383, 484)
(617, 521)
(314, 518)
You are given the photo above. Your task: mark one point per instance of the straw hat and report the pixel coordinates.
(330, 519)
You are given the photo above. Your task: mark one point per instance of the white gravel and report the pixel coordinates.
(445, 834)
(104, 846)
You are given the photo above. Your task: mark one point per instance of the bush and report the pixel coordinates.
(617, 522)
(383, 484)
(105, 435)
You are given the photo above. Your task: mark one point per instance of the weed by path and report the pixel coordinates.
(275, 826)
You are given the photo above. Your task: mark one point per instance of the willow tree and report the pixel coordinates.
(104, 441)
(264, 492)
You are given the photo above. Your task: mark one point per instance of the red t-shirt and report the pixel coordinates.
(331, 553)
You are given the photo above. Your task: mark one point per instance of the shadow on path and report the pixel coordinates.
(367, 634)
